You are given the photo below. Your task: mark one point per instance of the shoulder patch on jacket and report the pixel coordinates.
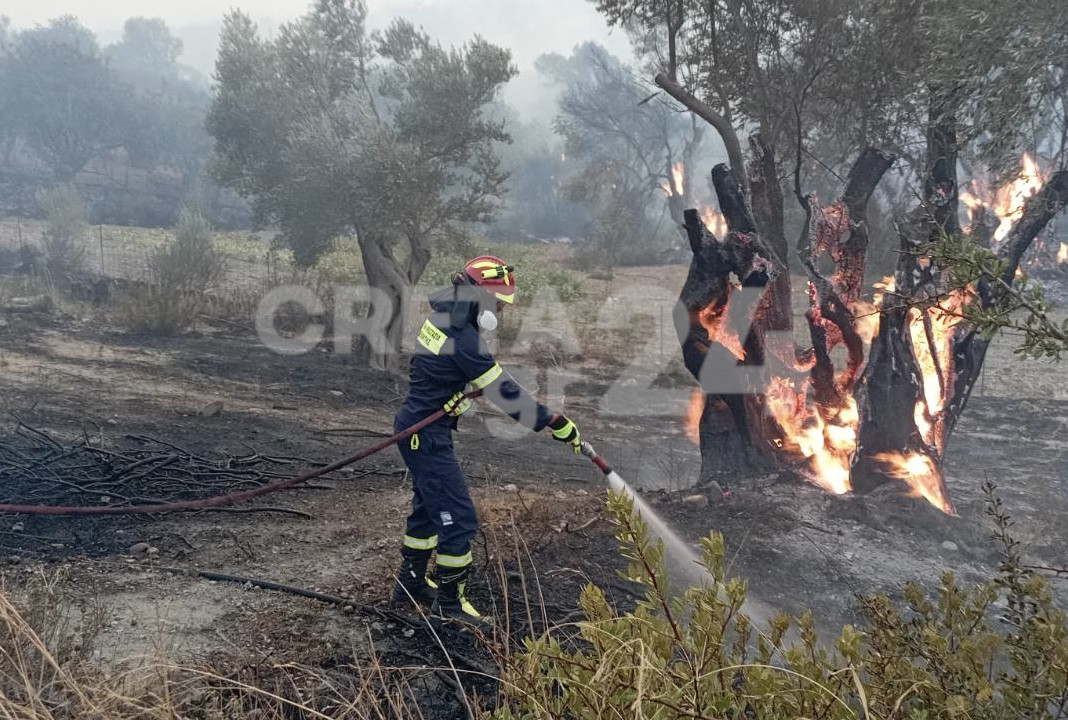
(432, 338)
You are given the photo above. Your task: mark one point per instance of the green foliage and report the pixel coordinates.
(864, 72)
(181, 274)
(1000, 301)
(998, 650)
(342, 263)
(331, 131)
(65, 218)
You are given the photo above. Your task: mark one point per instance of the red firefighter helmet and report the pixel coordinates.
(492, 275)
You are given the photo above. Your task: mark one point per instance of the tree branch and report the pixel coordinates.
(713, 118)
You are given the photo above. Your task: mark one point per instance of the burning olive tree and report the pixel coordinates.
(880, 382)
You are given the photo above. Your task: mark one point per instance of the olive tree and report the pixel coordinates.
(330, 130)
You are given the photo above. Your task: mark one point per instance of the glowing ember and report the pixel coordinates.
(1062, 254)
(921, 475)
(692, 424)
(715, 324)
(715, 222)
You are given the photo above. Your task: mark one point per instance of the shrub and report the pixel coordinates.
(65, 218)
(181, 274)
(998, 650)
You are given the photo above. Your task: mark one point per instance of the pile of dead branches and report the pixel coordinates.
(36, 469)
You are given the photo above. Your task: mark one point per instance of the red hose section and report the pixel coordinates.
(602, 464)
(232, 498)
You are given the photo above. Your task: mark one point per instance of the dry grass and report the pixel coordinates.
(47, 672)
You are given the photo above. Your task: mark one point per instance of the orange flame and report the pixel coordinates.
(826, 446)
(1011, 198)
(867, 315)
(934, 357)
(973, 203)
(675, 186)
(1008, 202)
(715, 222)
(920, 473)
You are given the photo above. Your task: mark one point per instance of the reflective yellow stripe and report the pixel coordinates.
(432, 338)
(487, 377)
(420, 543)
(454, 561)
(465, 604)
(414, 442)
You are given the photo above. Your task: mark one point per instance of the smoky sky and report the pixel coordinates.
(528, 29)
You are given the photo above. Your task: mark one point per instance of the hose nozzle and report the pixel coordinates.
(586, 449)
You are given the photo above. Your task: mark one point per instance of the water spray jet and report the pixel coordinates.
(683, 555)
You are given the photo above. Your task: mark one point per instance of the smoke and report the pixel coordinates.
(527, 29)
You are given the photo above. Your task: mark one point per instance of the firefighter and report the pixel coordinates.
(450, 354)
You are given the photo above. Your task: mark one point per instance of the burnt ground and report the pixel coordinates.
(798, 547)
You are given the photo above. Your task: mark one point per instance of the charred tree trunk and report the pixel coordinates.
(925, 361)
(893, 396)
(969, 350)
(706, 317)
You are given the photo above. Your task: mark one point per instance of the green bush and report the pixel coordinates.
(998, 650)
(65, 224)
(342, 264)
(181, 274)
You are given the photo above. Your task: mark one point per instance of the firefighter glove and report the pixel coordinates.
(565, 430)
(457, 405)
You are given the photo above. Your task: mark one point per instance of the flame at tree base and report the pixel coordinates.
(919, 472)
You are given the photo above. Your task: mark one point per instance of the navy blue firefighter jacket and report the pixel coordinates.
(449, 354)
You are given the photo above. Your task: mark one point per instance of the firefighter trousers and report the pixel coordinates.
(443, 515)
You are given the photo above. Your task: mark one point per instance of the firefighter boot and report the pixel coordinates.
(412, 580)
(452, 602)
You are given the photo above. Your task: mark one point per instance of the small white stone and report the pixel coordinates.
(696, 500)
(950, 545)
(511, 487)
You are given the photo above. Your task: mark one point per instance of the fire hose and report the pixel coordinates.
(235, 498)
